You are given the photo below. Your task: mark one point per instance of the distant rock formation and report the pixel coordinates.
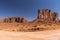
(48, 16)
(45, 15)
(13, 20)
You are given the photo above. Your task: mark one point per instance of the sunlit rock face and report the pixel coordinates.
(48, 15)
(13, 20)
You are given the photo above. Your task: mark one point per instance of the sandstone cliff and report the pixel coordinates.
(48, 16)
(13, 20)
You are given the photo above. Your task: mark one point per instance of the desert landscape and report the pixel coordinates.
(42, 35)
(29, 19)
(45, 27)
(46, 20)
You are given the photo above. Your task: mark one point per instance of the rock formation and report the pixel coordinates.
(44, 15)
(13, 20)
(48, 15)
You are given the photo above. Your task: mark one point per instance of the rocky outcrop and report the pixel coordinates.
(44, 15)
(13, 20)
(48, 16)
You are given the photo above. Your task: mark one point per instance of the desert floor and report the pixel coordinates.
(42, 35)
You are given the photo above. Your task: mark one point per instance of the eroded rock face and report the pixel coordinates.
(48, 15)
(14, 20)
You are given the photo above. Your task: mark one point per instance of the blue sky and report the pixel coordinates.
(27, 8)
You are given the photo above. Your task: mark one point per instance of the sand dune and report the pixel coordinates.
(43, 35)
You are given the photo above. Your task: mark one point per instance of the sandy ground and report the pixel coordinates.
(43, 35)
